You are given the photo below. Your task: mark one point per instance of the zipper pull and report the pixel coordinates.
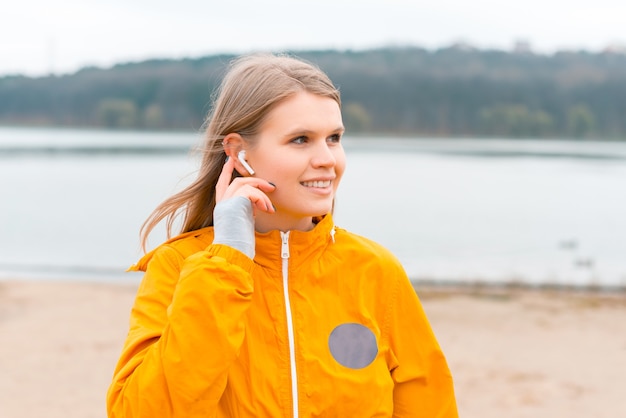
(284, 252)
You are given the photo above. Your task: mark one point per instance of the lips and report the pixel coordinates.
(317, 183)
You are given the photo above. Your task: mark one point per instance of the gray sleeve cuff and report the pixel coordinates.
(234, 224)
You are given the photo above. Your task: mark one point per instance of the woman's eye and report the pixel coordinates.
(299, 140)
(334, 138)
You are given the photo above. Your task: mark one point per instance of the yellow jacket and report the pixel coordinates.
(322, 323)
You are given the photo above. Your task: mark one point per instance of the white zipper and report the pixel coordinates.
(284, 254)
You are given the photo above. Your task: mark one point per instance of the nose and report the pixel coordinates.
(323, 156)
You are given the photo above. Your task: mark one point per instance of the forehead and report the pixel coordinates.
(305, 110)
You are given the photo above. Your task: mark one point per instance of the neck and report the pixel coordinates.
(265, 222)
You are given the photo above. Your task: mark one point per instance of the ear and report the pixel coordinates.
(233, 143)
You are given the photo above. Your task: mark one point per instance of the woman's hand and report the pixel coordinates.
(253, 188)
(236, 204)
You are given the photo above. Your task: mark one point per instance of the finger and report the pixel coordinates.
(266, 186)
(223, 180)
(261, 204)
(242, 183)
(260, 201)
(259, 183)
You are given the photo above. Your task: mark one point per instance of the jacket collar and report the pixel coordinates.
(303, 246)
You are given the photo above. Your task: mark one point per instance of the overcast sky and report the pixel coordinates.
(38, 37)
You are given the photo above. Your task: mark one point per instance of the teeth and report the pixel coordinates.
(321, 184)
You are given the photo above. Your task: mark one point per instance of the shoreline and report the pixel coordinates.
(513, 351)
(480, 287)
(122, 277)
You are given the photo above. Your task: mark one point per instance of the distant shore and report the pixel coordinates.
(387, 90)
(477, 287)
(513, 351)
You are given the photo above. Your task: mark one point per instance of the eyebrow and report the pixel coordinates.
(339, 129)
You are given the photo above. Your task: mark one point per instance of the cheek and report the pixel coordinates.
(276, 170)
(340, 166)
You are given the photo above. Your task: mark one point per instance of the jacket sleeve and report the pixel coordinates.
(186, 328)
(423, 384)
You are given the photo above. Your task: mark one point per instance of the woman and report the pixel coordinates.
(262, 307)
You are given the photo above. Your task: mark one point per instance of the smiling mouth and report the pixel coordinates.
(316, 184)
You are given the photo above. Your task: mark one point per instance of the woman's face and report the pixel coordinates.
(299, 151)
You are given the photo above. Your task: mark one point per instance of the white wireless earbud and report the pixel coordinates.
(242, 159)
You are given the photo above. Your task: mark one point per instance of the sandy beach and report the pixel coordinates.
(513, 352)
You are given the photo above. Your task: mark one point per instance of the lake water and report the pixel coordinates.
(72, 202)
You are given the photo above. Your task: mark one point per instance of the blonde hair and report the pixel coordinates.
(252, 87)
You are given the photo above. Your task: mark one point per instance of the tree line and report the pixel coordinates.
(453, 91)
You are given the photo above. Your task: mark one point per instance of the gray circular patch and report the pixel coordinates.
(353, 345)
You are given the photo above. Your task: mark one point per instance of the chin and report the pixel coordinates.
(322, 211)
(315, 208)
